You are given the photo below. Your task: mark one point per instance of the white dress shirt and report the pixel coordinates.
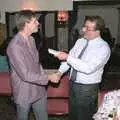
(90, 66)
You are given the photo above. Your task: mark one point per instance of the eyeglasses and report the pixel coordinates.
(89, 28)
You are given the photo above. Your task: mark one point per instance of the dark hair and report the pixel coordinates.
(100, 24)
(106, 35)
(22, 17)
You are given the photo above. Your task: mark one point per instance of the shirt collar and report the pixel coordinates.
(23, 39)
(94, 40)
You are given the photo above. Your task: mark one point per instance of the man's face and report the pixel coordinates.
(33, 25)
(89, 30)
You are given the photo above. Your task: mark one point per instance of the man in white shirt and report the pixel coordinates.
(88, 64)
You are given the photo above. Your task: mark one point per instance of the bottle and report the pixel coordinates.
(112, 114)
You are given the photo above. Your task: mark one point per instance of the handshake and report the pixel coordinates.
(54, 77)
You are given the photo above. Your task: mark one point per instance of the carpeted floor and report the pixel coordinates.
(7, 109)
(8, 112)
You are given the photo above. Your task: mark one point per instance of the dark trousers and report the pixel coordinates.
(83, 101)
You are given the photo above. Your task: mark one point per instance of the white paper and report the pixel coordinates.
(54, 52)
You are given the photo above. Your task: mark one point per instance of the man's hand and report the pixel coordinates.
(55, 77)
(62, 56)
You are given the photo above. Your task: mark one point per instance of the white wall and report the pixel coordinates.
(45, 5)
(2, 17)
(37, 5)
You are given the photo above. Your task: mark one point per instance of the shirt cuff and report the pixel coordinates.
(69, 58)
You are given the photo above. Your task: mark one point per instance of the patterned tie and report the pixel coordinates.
(74, 72)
